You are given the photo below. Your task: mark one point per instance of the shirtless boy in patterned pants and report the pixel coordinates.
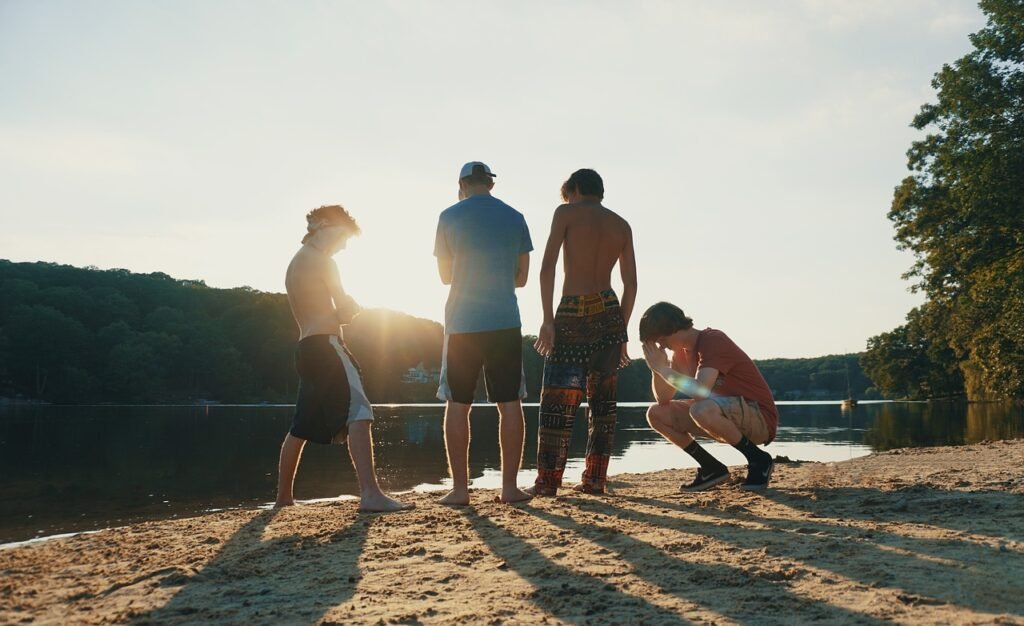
(584, 343)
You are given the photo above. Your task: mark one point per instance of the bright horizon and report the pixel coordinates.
(753, 148)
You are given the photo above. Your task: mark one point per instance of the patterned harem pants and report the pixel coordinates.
(589, 333)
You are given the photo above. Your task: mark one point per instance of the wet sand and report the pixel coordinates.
(912, 536)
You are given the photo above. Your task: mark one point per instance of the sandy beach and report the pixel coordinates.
(910, 536)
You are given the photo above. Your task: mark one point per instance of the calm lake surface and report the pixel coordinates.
(68, 468)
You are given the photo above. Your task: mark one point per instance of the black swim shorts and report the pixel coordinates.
(330, 390)
(498, 352)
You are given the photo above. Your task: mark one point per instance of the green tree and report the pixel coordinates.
(5, 359)
(915, 360)
(137, 368)
(635, 382)
(533, 369)
(43, 345)
(961, 211)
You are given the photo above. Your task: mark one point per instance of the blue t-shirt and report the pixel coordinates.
(483, 237)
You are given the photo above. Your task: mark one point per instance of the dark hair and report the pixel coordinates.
(584, 182)
(333, 215)
(661, 320)
(478, 178)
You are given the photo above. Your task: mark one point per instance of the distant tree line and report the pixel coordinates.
(832, 377)
(73, 335)
(76, 335)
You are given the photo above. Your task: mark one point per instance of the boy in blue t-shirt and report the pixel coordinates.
(482, 249)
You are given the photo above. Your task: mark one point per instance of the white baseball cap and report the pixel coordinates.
(475, 167)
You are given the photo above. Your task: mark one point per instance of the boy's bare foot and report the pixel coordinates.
(585, 488)
(515, 495)
(380, 503)
(456, 497)
(280, 504)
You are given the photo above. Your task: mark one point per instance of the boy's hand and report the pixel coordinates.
(545, 339)
(624, 359)
(348, 311)
(656, 358)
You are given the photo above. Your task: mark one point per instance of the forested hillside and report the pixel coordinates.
(73, 335)
(86, 335)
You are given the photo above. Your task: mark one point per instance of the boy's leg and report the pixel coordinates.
(512, 429)
(291, 451)
(601, 398)
(461, 362)
(560, 398)
(739, 423)
(673, 420)
(456, 444)
(712, 420)
(360, 448)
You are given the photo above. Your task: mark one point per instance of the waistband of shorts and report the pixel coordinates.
(315, 339)
(588, 304)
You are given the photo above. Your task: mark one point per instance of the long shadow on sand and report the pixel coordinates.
(292, 579)
(735, 593)
(968, 511)
(583, 598)
(963, 573)
(570, 596)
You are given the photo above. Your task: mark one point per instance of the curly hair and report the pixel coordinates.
(329, 215)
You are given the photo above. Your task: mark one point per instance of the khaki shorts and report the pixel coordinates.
(746, 414)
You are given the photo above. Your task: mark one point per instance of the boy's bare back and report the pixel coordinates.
(594, 239)
(310, 280)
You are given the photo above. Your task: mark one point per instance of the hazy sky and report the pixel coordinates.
(754, 146)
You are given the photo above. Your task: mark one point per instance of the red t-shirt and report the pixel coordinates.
(737, 374)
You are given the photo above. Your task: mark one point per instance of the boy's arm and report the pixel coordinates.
(522, 269)
(345, 308)
(444, 270)
(627, 270)
(546, 338)
(659, 365)
(443, 253)
(663, 391)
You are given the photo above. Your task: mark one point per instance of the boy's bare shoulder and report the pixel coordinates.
(618, 219)
(309, 262)
(572, 209)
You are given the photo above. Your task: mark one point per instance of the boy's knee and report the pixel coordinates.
(658, 415)
(704, 410)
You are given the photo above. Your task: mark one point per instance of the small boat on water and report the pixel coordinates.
(849, 402)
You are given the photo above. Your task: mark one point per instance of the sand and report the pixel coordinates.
(910, 536)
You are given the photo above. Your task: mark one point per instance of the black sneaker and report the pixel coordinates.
(706, 479)
(758, 475)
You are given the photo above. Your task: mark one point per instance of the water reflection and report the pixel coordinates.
(73, 468)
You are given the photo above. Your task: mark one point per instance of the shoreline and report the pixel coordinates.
(923, 535)
(532, 403)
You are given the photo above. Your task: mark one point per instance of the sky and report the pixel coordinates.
(753, 146)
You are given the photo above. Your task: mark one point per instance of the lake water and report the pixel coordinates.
(68, 468)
